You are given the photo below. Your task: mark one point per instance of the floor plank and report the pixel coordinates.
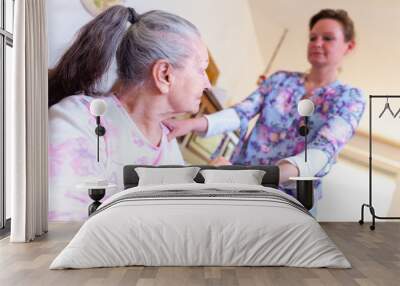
(374, 255)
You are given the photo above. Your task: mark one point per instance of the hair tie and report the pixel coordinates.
(133, 16)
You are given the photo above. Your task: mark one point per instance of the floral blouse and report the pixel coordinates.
(73, 153)
(338, 110)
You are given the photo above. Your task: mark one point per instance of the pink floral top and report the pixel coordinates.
(73, 150)
(338, 110)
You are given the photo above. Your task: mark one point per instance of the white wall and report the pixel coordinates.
(226, 26)
(345, 189)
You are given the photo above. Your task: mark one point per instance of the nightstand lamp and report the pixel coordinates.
(97, 185)
(304, 185)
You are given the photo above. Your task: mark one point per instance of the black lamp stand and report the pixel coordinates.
(100, 131)
(97, 194)
(303, 131)
(305, 190)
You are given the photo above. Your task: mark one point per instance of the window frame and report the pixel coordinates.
(6, 39)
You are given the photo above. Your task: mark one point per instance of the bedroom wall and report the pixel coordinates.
(345, 189)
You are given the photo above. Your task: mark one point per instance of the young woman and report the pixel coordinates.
(275, 138)
(161, 63)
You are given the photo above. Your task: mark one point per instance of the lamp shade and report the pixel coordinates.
(98, 107)
(305, 107)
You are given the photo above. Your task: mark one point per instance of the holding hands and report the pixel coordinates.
(180, 127)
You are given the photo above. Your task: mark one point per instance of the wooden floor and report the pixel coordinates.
(374, 255)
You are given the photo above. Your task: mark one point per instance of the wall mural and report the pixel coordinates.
(278, 125)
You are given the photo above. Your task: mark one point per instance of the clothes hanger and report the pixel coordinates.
(387, 107)
(398, 111)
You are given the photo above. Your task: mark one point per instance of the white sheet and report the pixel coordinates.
(200, 231)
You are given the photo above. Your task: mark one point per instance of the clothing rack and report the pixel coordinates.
(370, 205)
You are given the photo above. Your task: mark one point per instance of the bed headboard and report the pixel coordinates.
(270, 179)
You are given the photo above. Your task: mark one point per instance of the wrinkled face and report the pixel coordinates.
(327, 45)
(190, 80)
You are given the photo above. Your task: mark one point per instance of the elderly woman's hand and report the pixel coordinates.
(219, 161)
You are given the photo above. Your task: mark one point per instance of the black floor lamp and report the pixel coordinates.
(305, 109)
(304, 185)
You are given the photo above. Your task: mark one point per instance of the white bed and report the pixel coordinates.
(201, 224)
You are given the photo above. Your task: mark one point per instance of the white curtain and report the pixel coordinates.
(26, 123)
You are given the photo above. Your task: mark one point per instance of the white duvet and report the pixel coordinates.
(182, 231)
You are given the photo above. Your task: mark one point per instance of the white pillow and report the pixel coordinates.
(249, 177)
(162, 176)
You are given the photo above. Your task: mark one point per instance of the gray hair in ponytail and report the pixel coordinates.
(149, 37)
(155, 35)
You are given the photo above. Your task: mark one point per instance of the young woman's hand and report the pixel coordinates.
(180, 127)
(287, 170)
(219, 161)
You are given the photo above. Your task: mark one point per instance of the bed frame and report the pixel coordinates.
(270, 179)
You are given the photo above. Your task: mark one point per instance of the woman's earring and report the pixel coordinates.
(164, 89)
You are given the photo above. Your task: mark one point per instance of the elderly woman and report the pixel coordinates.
(275, 138)
(161, 63)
